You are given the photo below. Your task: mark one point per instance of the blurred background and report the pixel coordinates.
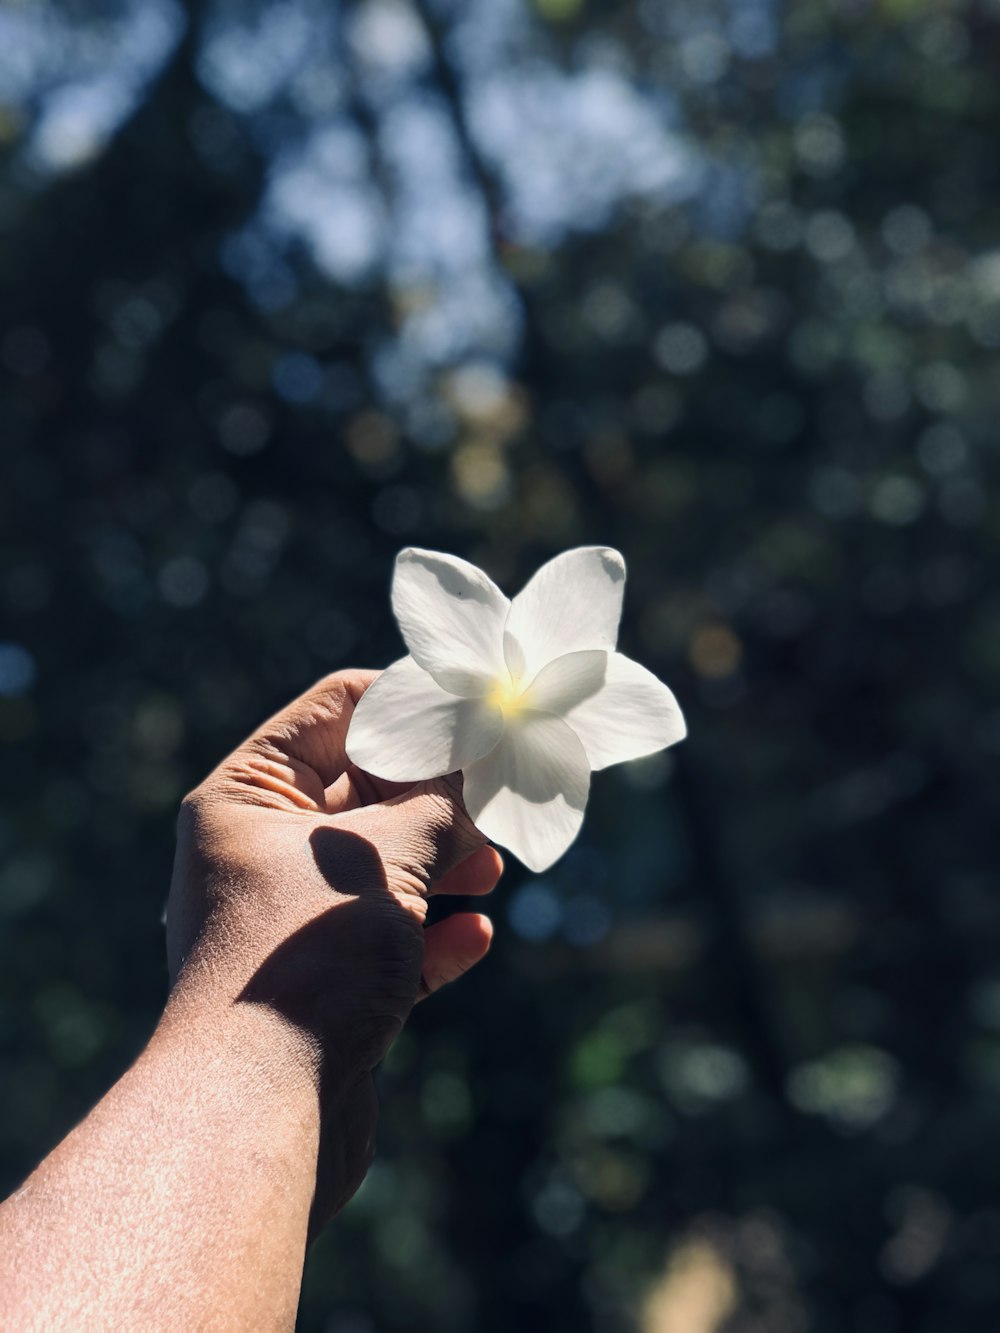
(289, 285)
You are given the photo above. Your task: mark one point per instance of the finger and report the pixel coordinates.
(355, 788)
(477, 874)
(451, 947)
(312, 730)
(423, 832)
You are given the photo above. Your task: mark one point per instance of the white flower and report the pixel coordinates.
(525, 697)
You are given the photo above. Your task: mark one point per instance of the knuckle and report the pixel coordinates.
(191, 807)
(450, 809)
(438, 808)
(446, 833)
(347, 681)
(200, 814)
(334, 682)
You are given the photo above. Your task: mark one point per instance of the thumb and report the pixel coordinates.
(424, 831)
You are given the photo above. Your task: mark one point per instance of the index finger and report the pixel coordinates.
(312, 730)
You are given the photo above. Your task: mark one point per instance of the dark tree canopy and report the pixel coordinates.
(290, 285)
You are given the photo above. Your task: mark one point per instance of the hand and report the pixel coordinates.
(301, 885)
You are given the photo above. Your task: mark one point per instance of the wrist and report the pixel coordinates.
(296, 1088)
(270, 1054)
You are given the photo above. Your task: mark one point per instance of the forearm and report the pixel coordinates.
(183, 1199)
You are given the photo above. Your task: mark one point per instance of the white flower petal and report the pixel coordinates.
(632, 714)
(567, 682)
(572, 603)
(529, 793)
(452, 618)
(406, 727)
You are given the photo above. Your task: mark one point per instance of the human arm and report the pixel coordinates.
(297, 946)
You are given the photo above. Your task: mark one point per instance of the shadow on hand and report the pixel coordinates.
(347, 981)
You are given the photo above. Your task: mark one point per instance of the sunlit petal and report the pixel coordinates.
(632, 714)
(567, 681)
(452, 618)
(572, 603)
(406, 727)
(530, 792)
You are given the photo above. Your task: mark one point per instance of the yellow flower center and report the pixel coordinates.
(508, 695)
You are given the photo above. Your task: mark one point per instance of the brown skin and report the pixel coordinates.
(297, 948)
